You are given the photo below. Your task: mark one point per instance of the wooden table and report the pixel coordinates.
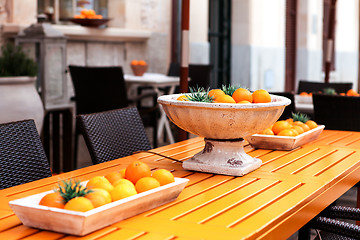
(273, 202)
(155, 81)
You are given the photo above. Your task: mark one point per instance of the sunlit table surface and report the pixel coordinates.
(273, 202)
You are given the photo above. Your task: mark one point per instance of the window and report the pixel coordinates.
(61, 10)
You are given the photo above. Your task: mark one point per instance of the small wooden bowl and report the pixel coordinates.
(139, 70)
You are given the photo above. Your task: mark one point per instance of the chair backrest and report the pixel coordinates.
(98, 89)
(308, 86)
(337, 112)
(113, 134)
(174, 69)
(199, 75)
(288, 109)
(22, 156)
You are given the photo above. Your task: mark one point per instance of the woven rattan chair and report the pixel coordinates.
(337, 112)
(331, 227)
(113, 134)
(314, 87)
(99, 89)
(22, 156)
(288, 109)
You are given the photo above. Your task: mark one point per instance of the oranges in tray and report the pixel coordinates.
(100, 190)
(292, 127)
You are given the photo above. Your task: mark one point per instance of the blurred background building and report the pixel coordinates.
(255, 43)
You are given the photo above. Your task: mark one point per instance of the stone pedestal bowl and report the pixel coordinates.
(224, 127)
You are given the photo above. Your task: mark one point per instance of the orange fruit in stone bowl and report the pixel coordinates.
(216, 93)
(261, 96)
(136, 170)
(224, 99)
(242, 94)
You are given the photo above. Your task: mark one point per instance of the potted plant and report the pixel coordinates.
(19, 98)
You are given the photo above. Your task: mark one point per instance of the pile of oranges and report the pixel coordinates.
(240, 95)
(350, 92)
(290, 128)
(138, 63)
(135, 178)
(139, 67)
(88, 14)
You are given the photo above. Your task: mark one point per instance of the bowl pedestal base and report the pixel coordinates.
(225, 157)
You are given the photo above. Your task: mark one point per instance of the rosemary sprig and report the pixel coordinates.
(230, 89)
(199, 95)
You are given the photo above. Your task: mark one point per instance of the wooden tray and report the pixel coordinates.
(78, 223)
(283, 142)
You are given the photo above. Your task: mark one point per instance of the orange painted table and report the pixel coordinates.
(273, 202)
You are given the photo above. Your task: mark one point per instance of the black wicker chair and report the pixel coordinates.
(288, 109)
(22, 156)
(199, 75)
(331, 227)
(314, 87)
(99, 89)
(337, 112)
(113, 134)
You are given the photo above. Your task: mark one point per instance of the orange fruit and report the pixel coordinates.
(267, 131)
(90, 13)
(351, 92)
(182, 98)
(136, 170)
(216, 93)
(304, 94)
(146, 183)
(244, 102)
(80, 204)
(305, 127)
(298, 129)
(224, 99)
(134, 62)
(122, 171)
(142, 62)
(261, 96)
(311, 124)
(288, 132)
(290, 120)
(122, 191)
(113, 176)
(242, 94)
(123, 181)
(53, 199)
(163, 176)
(342, 94)
(99, 197)
(279, 126)
(99, 182)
